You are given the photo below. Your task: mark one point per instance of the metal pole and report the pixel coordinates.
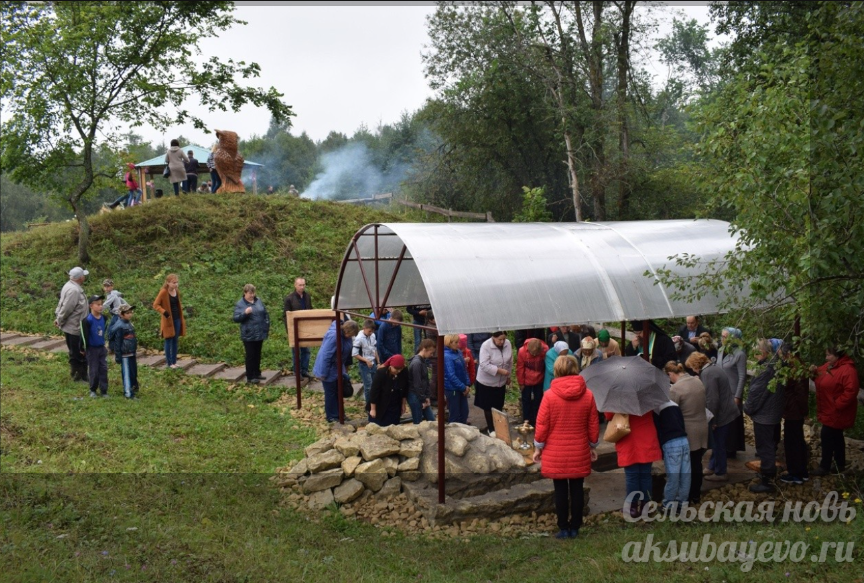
(646, 334)
(441, 433)
(623, 336)
(376, 307)
(339, 366)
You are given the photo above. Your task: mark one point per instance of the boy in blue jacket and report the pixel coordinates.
(123, 339)
(93, 340)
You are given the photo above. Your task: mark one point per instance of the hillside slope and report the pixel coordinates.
(215, 244)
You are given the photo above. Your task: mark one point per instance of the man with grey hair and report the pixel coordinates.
(71, 310)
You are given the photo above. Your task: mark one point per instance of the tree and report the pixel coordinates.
(781, 149)
(72, 69)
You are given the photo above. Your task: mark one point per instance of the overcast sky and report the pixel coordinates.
(338, 66)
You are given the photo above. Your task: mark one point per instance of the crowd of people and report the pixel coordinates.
(704, 411)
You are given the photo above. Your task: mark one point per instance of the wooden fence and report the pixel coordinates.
(487, 216)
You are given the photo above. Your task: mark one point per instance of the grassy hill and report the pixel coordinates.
(215, 244)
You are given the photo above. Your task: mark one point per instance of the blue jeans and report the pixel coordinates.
(366, 374)
(215, 180)
(637, 478)
(305, 355)
(134, 196)
(676, 457)
(457, 403)
(718, 451)
(129, 372)
(418, 412)
(171, 345)
(331, 400)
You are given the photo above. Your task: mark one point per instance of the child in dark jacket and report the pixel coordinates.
(123, 339)
(93, 341)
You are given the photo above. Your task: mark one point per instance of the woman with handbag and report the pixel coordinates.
(636, 450)
(176, 161)
(567, 434)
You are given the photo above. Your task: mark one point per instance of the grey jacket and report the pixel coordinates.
(113, 302)
(718, 395)
(176, 160)
(762, 405)
(72, 308)
(254, 326)
(735, 367)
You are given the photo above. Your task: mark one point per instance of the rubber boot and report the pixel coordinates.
(765, 485)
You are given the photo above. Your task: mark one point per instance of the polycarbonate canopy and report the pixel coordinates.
(508, 276)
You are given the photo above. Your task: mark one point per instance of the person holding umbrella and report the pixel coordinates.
(631, 386)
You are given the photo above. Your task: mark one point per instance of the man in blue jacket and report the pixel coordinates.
(327, 368)
(390, 336)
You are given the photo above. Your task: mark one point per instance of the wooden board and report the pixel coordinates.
(309, 328)
(502, 426)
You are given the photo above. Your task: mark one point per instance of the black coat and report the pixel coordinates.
(684, 333)
(254, 326)
(383, 385)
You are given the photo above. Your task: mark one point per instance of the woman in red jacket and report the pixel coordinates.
(636, 452)
(530, 371)
(567, 433)
(836, 406)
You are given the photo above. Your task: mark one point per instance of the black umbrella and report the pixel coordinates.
(627, 384)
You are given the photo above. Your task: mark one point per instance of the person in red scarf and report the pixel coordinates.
(389, 391)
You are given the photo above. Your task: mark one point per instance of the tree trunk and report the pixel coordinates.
(595, 59)
(624, 186)
(83, 234)
(574, 178)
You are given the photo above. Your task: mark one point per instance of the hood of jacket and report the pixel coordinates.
(173, 148)
(570, 388)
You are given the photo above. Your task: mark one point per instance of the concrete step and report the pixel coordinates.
(153, 360)
(206, 370)
(4, 336)
(23, 341)
(183, 364)
(270, 376)
(50, 344)
(233, 374)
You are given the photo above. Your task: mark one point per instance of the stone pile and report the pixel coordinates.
(485, 478)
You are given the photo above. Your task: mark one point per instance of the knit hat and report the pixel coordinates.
(603, 335)
(561, 347)
(396, 361)
(587, 344)
(463, 341)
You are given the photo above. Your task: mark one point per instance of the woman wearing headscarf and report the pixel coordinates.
(387, 397)
(493, 375)
(718, 400)
(732, 358)
(560, 348)
(176, 161)
(588, 354)
(470, 363)
(567, 433)
(836, 407)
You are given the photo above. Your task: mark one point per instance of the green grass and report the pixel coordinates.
(176, 487)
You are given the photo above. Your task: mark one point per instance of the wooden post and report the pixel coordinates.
(254, 181)
(142, 182)
(441, 432)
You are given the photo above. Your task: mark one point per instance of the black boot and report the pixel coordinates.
(765, 485)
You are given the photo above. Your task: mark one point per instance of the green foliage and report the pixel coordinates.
(781, 141)
(533, 207)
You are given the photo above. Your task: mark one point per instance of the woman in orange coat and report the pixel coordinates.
(567, 433)
(173, 324)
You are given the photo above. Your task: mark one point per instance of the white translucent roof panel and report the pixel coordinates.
(505, 276)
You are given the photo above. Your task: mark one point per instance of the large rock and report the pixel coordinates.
(409, 465)
(350, 465)
(320, 446)
(411, 448)
(467, 432)
(375, 429)
(376, 446)
(324, 461)
(320, 500)
(346, 447)
(372, 474)
(503, 457)
(391, 488)
(400, 432)
(390, 464)
(348, 490)
(456, 444)
(299, 469)
(323, 480)
(342, 429)
(477, 462)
